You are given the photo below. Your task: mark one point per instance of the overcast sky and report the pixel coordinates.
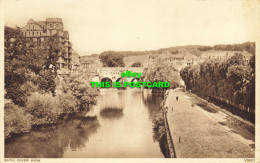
(99, 25)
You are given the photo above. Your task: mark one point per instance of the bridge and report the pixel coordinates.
(113, 74)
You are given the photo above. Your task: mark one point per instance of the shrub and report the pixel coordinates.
(44, 107)
(68, 103)
(137, 64)
(16, 120)
(78, 84)
(158, 125)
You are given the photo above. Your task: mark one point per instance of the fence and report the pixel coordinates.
(169, 136)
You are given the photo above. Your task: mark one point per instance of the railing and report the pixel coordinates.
(168, 131)
(169, 136)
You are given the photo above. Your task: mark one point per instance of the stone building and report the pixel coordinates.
(37, 31)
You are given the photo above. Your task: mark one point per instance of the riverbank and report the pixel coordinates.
(201, 133)
(40, 110)
(72, 95)
(122, 133)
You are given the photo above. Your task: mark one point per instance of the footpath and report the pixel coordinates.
(198, 133)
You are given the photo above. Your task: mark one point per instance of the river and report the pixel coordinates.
(125, 132)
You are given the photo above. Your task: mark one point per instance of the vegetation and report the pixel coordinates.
(232, 79)
(27, 64)
(160, 132)
(193, 49)
(16, 119)
(158, 125)
(72, 133)
(78, 85)
(111, 59)
(163, 72)
(33, 91)
(136, 64)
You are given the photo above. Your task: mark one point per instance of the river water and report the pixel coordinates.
(122, 127)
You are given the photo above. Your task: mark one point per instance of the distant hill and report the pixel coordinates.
(193, 49)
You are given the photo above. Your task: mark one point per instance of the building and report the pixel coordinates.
(37, 31)
(91, 63)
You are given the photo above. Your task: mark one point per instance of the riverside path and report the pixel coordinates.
(197, 133)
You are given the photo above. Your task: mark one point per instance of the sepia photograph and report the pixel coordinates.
(164, 79)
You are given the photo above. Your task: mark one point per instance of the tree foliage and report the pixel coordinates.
(163, 72)
(79, 85)
(27, 61)
(232, 79)
(111, 59)
(136, 64)
(16, 119)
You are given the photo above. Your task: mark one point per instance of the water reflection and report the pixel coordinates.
(122, 127)
(50, 141)
(111, 113)
(153, 102)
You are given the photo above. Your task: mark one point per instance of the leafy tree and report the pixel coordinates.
(79, 85)
(15, 65)
(232, 79)
(136, 64)
(111, 59)
(24, 58)
(162, 72)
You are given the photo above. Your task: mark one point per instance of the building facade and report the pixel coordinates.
(37, 31)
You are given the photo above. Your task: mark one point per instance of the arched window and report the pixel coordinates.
(50, 25)
(33, 26)
(33, 33)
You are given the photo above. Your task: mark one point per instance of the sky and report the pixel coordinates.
(136, 25)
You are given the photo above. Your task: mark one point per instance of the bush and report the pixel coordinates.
(79, 85)
(16, 120)
(136, 64)
(44, 107)
(68, 103)
(47, 109)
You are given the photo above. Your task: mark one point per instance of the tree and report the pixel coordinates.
(79, 85)
(136, 64)
(162, 72)
(27, 62)
(111, 59)
(232, 79)
(15, 65)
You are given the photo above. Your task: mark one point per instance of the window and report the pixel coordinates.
(33, 26)
(50, 25)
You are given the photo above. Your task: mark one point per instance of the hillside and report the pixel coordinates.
(193, 49)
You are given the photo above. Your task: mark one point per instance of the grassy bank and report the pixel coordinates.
(201, 131)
